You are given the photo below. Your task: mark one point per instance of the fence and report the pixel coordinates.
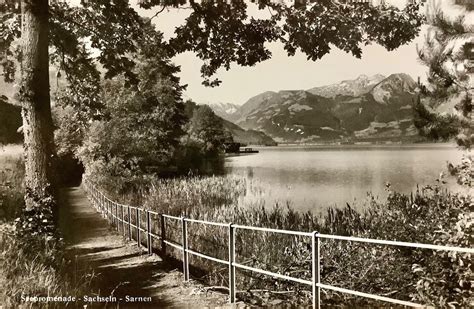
(110, 210)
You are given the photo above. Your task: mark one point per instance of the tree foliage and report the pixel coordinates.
(448, 55)
(202, 146)
(219, 32)
(208, 130)
(437, 127)
(139, 128)
(312, 29)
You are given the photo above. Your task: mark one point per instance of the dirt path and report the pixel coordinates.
(120, 268)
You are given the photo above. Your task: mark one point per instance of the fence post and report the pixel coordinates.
(163, 235)
(108, 209)
(116, 217)
(231, 262)
(99, 200)
(129, 223)
(148, 230)
(185, 249)
(123, 220)
(104, 207)
(316, 264)
(138, 226)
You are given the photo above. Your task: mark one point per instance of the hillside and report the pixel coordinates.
(240, 135)
(365, 108)
(249, 137)
(292, 116)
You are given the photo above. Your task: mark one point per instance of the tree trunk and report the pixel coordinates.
(36, 106)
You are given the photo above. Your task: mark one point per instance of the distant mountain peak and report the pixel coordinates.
(227, 107)
(290, 91)
(393, 85)
(352, 87)
(373, 77)
(225, 110)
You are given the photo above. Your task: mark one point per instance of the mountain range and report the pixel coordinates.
(365, 108)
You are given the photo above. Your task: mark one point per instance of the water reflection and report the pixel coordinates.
(250, 172)
(312, 178)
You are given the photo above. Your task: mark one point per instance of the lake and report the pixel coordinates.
(315, 177)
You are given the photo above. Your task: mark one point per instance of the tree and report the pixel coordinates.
(208, 129)
(202, 146)
(448, 55)
(219, 32)
(36, 34)
(139, 130)
(35, 99)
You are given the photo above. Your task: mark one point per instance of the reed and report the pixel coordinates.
(381, 270)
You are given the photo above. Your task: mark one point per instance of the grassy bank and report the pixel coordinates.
(36, 268)
(29, 265)
(430, 215)
(11, 182)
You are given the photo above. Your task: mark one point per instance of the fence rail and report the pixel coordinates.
(110, 210)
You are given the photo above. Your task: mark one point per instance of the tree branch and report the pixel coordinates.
(158, 13)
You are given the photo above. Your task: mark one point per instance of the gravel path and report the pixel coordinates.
(120, 269)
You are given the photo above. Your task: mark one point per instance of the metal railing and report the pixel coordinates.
(110, 210)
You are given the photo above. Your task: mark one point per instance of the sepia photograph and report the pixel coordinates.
(236, 154)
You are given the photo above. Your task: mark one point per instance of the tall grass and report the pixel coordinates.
(29, 265)
(11, 182)
(38, 268)
(395, 272)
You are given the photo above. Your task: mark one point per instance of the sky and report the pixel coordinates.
(282, 72)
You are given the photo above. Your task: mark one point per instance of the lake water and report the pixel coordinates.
(315, 177)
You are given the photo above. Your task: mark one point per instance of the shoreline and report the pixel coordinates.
(361, 145)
